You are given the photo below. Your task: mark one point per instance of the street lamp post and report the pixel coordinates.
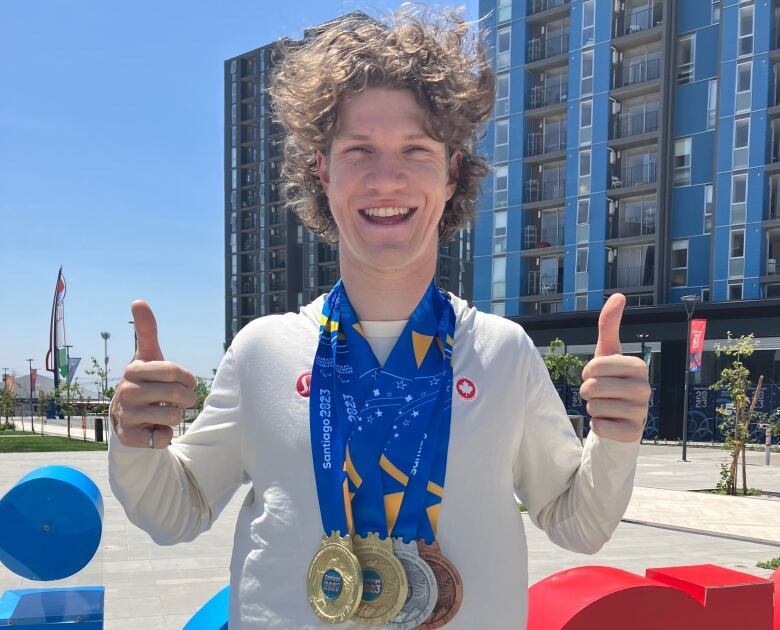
(105, 336)
(67, 382)
(643, 338)
(32, 417)
(690, 302)
(135, 336)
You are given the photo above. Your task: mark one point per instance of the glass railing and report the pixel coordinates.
(541, 96)
(536, 6)
(639, 20)
(540, 143)
(543, 284)
(544, 47)
(638, 72)
(538, 190)
(626, 125)
(635, 176)
(635, 225)
(537, 236)
(629, 277)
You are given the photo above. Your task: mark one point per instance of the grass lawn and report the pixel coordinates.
(26, 442)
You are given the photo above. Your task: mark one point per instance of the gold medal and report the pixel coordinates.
(449, 582)
(334, 580)
(385, 586)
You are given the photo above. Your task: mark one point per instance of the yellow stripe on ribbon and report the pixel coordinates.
(450, 341)
(435, 489)
(420, 343)
(392, 508)
(359, 329)
(348, 509)
(391, 470)
(352, 472)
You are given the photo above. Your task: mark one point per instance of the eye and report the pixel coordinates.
(356, 149)
(416, 149)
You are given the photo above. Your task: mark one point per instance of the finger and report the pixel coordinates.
(616, 430)
(138, 436)
(143, 415)
(148, 348)
(614, 409)
(609, 326)
(617, 366)
(149, 393)
(615, 388)
(159, 372)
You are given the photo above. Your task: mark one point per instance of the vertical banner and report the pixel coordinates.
(10, 383)
(698, 328)
(73, 364)
(33, 377)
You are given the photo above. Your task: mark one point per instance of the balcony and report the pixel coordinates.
(544, 190)
(627, 125)
(277, 259)
(542, 96)
(544, 47)
(277, 237)
(537, 6)
(630, 21)
(630, 277)
(637, 72)
(634, 225)
(249, 222)
(539, 143)
(545, 283)
(541, 235)
(631, 176)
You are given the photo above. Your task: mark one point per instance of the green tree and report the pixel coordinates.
(68, 394)
(736, 417)
(7, 406)
(202, 390)
(562, 366)
(101, 373)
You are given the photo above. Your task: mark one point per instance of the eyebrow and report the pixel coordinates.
(365, 138)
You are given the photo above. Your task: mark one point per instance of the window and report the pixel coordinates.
(586, 122)
(705, 294)
(712, 103)
(580, 302)
(735, 291)
(745, 41)
(588, 22)
(741, 142)
(587, 72)
(500, 191)
(498, 308)
(584, 186)
(738, 198)
(499, 278)
(737, 254)
(499, 232)
(502, 95)
(679, 263)
(583, 228)
(686, 53)
(715, 11)
(504, 10)
(503, 44)
(708, 208)
(502, 141)
(682, 162)
(581, 270)
(744, 76)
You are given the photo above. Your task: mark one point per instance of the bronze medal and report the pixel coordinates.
(385, 586)
(448, 581)
(334, 580)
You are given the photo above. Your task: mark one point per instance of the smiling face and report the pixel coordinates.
(387, 182)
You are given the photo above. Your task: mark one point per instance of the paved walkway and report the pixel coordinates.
(154, 587)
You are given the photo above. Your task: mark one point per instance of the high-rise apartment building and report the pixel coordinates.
(272, 263)
(635, 149)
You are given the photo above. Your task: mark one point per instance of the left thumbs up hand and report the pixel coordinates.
(616, 387)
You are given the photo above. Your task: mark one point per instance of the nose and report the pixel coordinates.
(388, 173)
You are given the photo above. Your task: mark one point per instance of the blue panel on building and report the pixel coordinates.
(687, 211)
(693, 117)
(483, 234)
(706, 52)
(482, 276)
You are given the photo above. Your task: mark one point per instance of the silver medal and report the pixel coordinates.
(423, 591)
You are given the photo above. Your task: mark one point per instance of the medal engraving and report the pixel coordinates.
(385, 586)
(449, 582)
(423, 591)
(334, 581)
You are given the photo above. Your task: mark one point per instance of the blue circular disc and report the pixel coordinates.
(52, 523)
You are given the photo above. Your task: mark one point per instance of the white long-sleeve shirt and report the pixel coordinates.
(511, 439)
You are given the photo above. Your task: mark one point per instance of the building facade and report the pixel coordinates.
(272, 263)
(635, 149)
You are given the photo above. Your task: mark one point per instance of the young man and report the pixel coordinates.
(379, 157)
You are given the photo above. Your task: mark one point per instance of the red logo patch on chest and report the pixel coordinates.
(465, 388)
(303, 384)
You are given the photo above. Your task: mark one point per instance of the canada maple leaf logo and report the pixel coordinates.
(466, 388)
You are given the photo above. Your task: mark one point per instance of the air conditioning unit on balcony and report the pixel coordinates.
(611, 255)
(613, 207)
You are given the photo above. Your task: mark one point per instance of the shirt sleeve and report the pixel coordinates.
(576, 494)
(176, 493)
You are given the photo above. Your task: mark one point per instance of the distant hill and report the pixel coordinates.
(46, 383)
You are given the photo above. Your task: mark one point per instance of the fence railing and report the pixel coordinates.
(541, 96)
(539, 143)
(538, 190)
(544, 47)
(629, 277)
(634, 176)
(641, 20)
(638, 72)
(542, 284)
(626, 125)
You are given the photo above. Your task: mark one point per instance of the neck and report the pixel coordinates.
(386, 296)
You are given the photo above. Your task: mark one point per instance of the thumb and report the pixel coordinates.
(609, 326)
(146, 332)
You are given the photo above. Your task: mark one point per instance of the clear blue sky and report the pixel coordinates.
(111, 147)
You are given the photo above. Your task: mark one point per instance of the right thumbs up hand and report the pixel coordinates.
(152, 392)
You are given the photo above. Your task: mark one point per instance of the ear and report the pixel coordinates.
(322, 168)
(454, 166)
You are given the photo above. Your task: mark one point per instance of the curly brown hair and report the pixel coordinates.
(435, 55)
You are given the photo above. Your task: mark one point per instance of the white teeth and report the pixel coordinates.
(385, 212)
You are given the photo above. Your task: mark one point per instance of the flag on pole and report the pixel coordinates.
(10, 383)
(62, 354)
(698, 328)
(73, 364)
(56, 322)
(33, 377)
